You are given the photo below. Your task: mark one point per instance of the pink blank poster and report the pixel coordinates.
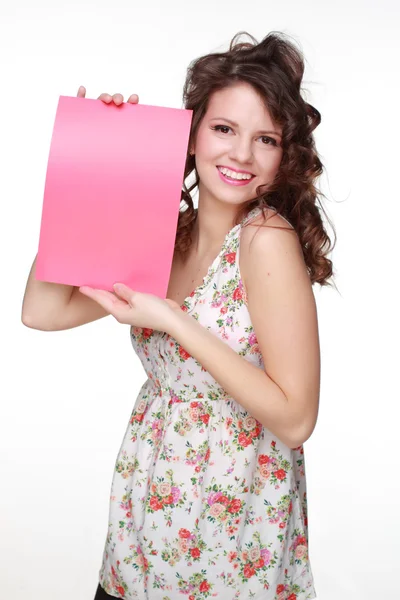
(112, 195)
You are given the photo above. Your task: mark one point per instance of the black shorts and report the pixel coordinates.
(102, 595)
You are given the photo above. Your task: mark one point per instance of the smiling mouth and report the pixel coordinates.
(233, 181)
(219, 167)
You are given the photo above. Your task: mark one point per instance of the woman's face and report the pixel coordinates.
(236, 132)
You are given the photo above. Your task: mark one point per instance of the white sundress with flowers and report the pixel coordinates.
(205, 501)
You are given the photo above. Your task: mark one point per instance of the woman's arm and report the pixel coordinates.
(285, 397)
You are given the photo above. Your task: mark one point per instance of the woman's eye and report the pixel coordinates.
(269, 139)
(219, 127)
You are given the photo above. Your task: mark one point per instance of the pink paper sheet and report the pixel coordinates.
(112, 195)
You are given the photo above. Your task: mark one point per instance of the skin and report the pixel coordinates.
(285, 400)
(241, 148)
(127, 306)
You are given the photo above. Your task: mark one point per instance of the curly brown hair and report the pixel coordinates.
(274, 67)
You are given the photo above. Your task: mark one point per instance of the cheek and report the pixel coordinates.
(209, 147)
(273, 163)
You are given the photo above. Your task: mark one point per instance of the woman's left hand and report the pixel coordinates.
(136, 308)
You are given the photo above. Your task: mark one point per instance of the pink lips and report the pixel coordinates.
(234, 181)
(235, 170)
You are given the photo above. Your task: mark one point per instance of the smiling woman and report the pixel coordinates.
(213, 456)
(209, 494)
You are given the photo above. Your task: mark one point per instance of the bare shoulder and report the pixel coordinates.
(270, 241)
(283, 312)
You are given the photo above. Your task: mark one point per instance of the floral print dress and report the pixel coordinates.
(205, 501)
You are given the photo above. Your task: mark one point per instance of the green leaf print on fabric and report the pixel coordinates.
(165, 496)
(253, 560)
(205, 503)
(195, 416)
(223, 507)
(188, 546)
(272, 468)
(197, 586)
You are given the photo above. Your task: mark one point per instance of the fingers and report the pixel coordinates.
(81, 92)
(118, 98)
(105, 98)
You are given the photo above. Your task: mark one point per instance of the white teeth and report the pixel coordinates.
(233, 174)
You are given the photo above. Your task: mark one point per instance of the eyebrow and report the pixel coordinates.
(236, 125)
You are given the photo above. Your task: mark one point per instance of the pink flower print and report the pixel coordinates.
(232, 556)
(141, 407)
(214, 497)
(155, 434)
(249, 423)
(255, 349)
(266, 556)
(255, 553)
(194, 414)
(301, 551)
(164, 489)
(176, 493)
(223, 310)
(216, 509)
(274, 520)
(217, 302)
(252, 339)
(265, 471)
(183, 545)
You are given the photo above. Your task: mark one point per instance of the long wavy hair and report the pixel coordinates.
(274, 67)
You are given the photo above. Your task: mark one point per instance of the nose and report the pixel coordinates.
(241, 150)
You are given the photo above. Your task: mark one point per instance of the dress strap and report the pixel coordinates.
(258, 210)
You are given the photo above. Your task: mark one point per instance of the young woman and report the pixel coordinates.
(209, 491)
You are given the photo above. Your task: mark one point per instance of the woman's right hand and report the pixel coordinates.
(107, 98)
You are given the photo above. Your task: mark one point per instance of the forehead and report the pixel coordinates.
(240, 103)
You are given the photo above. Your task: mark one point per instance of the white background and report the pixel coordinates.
(66, 396)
